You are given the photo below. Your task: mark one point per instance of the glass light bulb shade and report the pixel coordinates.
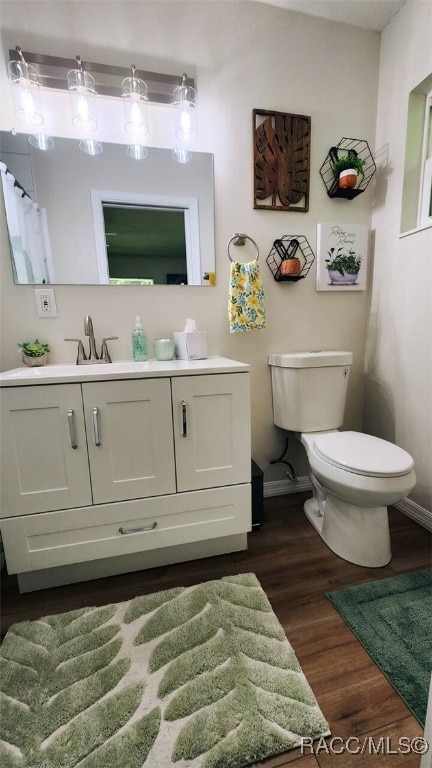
(186, 130)
(184, 95)
(135, 100)
(134, 87)
(181, 155)
(81, 81)
(137, 151)
(135, 116)
(82, 100)
(42, 141)
(91, 147)
(26, 97)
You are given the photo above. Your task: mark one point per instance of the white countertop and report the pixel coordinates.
(65, 373)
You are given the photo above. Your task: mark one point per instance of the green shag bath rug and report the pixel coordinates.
(188, 677)
(392, 619)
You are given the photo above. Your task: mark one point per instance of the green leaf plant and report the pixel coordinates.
(34, 348)
(346, 162)
(344, 263)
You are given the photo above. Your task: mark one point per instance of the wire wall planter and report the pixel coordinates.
(290, 258)
(355, 148)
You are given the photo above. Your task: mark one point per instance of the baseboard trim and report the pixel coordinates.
(281, 487)
(421, 515)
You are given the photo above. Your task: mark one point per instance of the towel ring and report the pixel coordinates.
(239, 239)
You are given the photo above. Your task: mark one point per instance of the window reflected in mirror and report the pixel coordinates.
(139, 240)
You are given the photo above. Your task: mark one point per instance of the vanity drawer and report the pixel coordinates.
(75, 536)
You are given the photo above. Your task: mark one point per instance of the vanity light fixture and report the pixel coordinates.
(82, 92)
(184, 102)
(81, 86)
(25, 91)
(135, 100)
(86, 82)
(26, 98)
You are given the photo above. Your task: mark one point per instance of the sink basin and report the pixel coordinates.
(63, 373)
(99, 368)
(64, 370)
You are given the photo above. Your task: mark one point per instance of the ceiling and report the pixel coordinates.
(371, 14)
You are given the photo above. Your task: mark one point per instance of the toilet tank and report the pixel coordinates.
(309, 389)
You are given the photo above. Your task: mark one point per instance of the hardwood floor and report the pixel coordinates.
(295, 569)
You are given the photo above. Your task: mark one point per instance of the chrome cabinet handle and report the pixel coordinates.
(95, 413)
(184, 418)
(151, 527)
(70, 415)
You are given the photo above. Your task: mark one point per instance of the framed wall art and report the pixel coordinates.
(342, 251)
(281, 161)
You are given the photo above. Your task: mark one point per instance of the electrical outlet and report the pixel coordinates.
(45, 302)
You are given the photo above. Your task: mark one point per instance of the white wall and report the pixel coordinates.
(398, 399)
(245, 55)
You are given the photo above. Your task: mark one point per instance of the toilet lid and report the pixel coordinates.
(363, 454)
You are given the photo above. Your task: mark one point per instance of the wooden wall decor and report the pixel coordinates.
(281, 161)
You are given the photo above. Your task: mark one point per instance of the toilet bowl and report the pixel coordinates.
(354, 478)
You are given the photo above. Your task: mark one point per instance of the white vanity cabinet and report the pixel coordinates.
(100, 464)
(44, 463)
(130, 438)
(210, 415)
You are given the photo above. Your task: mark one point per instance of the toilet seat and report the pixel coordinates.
(363, 454)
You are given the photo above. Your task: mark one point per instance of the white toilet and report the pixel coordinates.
(354, 476)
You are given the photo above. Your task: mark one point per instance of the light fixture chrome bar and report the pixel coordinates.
(52, 73)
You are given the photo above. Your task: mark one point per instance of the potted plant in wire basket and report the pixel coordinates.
(34, 352)
(290, 265)
(346, 170)
(343, 268)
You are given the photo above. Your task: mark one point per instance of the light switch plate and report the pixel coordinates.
(45, 302)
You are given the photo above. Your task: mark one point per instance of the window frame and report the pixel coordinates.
(425, 197)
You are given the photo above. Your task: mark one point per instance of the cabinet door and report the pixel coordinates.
(130, 439)
(44, 452)
(212, 430)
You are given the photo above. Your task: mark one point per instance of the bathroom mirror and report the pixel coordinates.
(79, 219)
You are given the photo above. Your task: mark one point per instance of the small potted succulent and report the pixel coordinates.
(34, 352)
(346, 170)
(343, 268)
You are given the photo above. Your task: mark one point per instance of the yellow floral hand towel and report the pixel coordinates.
(246, 304)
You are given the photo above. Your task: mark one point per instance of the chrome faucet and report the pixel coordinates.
(92, 357)
(88, 331)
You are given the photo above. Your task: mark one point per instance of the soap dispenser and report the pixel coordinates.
(139, 342)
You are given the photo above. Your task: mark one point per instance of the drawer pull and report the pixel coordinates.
(184, 418)
(151, 527)
(95, 413)
(70, 415)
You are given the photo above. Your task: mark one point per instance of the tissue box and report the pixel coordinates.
(190, 345)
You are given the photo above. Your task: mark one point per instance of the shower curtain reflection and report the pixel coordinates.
(28, 233)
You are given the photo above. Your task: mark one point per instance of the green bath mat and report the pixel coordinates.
(392, 619)
(199, 677)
